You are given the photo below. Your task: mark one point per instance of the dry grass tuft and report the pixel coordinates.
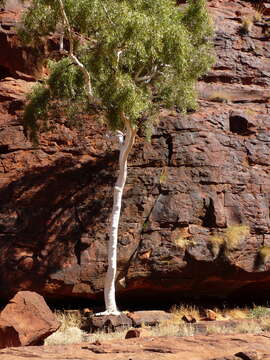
(103, 336)
(237, 313)
(220, 96)
(185, 310)
(163, 175)
(69, 331)
(169, 328)
(265, 323)
(234, 234)
(259, 312)
(257, 16)
(181, 242)
(242, 328)
(259, 12)
(247, 23)
(69, 319)
(229, 239)
(216, 244)
(264, 254)
(72, 335)
(248, 328)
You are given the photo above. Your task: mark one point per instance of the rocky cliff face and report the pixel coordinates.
(195, 219)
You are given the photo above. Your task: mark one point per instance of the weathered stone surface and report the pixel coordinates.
(108, 323)
(16, 60)
(146, 348)
(27, 320)
(201, 174)
(149, 318)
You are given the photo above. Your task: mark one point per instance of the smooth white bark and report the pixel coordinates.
(109, 289)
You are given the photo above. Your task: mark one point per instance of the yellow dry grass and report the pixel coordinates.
(247, 23)
(234, 234)
(185, 310)
(216, 243)
(237, 313)
(220, 96)
(70, 332)
(264, 253)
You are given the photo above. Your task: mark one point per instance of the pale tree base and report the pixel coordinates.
(108, 312)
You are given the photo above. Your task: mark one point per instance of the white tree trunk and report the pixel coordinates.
(125, 147)
(109, 289)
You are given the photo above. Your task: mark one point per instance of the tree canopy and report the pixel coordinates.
(139, 55)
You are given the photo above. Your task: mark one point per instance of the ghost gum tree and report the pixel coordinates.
(122, 59)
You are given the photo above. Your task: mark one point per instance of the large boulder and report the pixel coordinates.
(26, 320)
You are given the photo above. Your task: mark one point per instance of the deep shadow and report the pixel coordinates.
(209, 219)
(4, 72)
(45, 217)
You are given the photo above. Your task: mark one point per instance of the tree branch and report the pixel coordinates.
(147, 78)
(108, 16)
(76, 61)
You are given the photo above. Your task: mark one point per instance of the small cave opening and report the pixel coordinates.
(4, 72)
(239, 125)
(209, 219)
(4, 149)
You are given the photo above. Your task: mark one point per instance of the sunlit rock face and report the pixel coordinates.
(195, 219)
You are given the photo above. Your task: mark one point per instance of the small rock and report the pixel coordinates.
(87, 312)
(109, 323)
(189, 319)
(149, 318)
(132, 333)
(249, 355)
(226, 358)
(97, 343)
(210, 315)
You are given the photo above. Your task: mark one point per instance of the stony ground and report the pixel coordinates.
(200, 175)
(222, 347)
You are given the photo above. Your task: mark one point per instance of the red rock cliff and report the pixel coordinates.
(195, 218)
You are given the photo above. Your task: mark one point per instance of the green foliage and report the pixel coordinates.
(140, 55)
(259, 311)
(36, 110)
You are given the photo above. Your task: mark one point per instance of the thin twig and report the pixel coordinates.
(107, 14)
(87, 78)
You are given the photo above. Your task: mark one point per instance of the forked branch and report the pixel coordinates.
(76, 61)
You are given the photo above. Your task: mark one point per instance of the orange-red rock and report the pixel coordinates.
(27, 320)
(210, 347)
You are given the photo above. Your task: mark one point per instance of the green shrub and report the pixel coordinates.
(259, 312)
